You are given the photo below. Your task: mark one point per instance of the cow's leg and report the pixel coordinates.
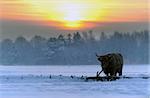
(120, 72)
(113, 75)
(107, 74)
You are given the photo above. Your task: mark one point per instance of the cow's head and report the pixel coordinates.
(104, 59)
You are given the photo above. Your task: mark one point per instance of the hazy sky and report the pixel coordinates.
(52, 17)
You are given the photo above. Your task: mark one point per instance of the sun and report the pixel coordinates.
(72, 15)
(73, 24)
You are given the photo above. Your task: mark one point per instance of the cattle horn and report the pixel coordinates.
(97, 55)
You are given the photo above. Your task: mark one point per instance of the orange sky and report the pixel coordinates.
(75, 13)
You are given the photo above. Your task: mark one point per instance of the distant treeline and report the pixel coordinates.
(75, 49)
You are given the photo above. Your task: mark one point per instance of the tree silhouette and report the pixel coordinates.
(77, 49)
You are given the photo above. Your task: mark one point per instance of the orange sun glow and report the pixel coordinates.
(75, 14)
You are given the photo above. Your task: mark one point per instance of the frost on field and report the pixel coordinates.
(65, 81)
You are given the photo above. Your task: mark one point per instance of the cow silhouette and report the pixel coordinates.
(111, 64)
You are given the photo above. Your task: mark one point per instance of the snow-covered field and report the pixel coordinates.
(66, 82)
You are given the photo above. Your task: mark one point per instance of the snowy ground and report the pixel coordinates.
(56, 82)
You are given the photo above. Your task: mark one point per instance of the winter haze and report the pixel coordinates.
(56, 48)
